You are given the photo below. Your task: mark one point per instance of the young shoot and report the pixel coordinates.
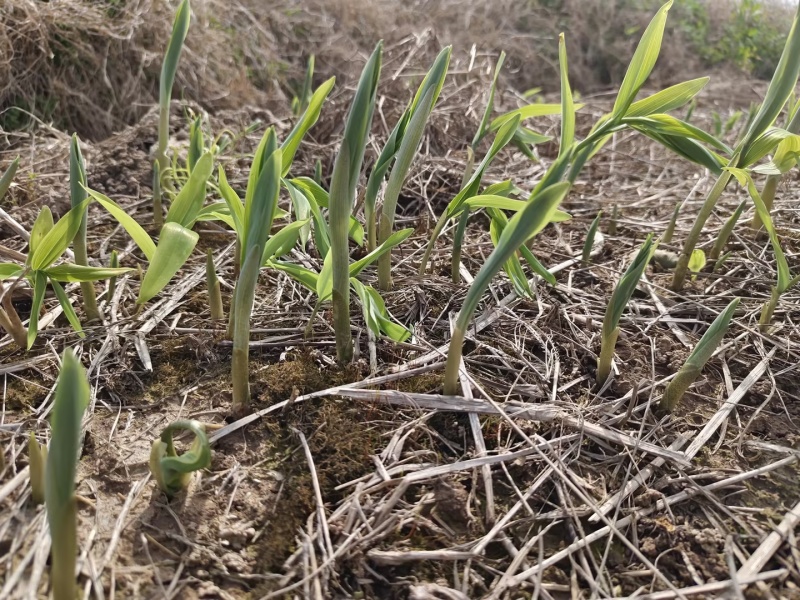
(173, 472)
(180, 28)
(346, 172)
(213, 287)
(705, 348)
(590, 235)
(71, 400)
(77, 189)
(616, 306)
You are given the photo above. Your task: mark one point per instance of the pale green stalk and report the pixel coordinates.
(77, 188)
(725, 232)
(455, 265)
(346, 172)
(259, 211)
(214, 291)
(670, 231)
(753, 146)
(10, 321)
(705, 348)
(37, 459)
(616, 306)
(422, 107)
(590, 235)
(180, 28)
(71, 399)
(612, 224)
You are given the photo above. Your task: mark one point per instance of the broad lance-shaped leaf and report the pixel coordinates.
(304, 123)
(528, 112)
(259, 211)
(567, 104)
(525, 224)
(705, 348)
(642, 63)
(41, 227)
(136, 231)
(171, 471)
(189, 201)
(282, 242)
(174, 247)
(233, 201)
(71, 400)
(55, 242)
(668, 99)
(780, 88)
(8, 270)
(375, 313)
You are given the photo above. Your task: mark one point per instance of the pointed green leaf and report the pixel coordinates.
(69, 312)
(642, 63)
(174, 247)
(668, 99)
(304, 123)
(69, 273)
(55, 242)
(189, 201)
(39, 287)
(137, 233)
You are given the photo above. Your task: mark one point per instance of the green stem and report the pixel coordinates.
(385, 260)
(670, 231)
(694, 235)
(423, 265)
(451, 387)
(606, 355)
(458, 240)
(64, 555)
(158, 210)
(243, 309)
(768, 196)
(768, 310)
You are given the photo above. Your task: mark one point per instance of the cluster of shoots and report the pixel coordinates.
(266, 234)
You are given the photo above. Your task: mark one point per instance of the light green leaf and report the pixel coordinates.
(668, 99)
(188, 202)
(567, 104)
(306, 122)
(137, 233)
(55, 242)
(642, 63)
(305, 277)
(69, 312)
(393, 240)
(8, 270)
(234, 203)
(174, 247)
(283, 241)
(325, 281)
(8, 177)
(375, 313)
(41, 227)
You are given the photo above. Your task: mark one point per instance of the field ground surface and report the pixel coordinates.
(365, 482)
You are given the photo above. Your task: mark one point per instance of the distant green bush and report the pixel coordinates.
(746, 33)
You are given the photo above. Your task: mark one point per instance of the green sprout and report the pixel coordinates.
(616, 306)
(214, 292)
(171, 471)
(418, 113)
(705, 348)
(346, 172)
(590, 235)
(77, 183)
(37, 455)
(180, 28)
(71, 400)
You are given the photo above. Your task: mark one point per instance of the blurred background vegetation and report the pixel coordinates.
(92, 66)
